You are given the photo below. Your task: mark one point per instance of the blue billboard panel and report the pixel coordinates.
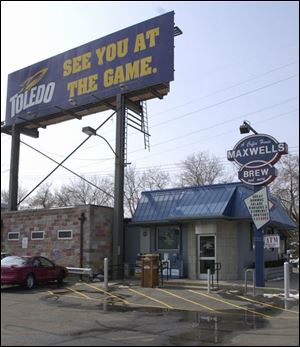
(129, 60)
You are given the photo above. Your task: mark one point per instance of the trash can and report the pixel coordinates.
(150, 276)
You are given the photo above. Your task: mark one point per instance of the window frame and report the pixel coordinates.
(13, 232)
(37, 238)
(164, 227)
(64, 238)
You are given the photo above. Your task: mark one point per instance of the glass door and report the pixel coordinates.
(206, 254)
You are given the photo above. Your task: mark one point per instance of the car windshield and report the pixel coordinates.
(13, 260)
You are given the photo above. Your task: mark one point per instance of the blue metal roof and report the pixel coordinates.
(224, 201)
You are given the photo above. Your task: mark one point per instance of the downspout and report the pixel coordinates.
(82, 219)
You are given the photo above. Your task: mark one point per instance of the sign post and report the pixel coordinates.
(258, 207)
(256, 155)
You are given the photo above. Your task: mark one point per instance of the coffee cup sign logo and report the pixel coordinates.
(256, 155)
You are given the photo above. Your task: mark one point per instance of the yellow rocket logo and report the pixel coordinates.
(33, 80)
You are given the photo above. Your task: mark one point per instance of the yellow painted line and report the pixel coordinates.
(108, 293)
(76, 292)
(191, 301)
(230, 304)
(265, 304)
(150, 298)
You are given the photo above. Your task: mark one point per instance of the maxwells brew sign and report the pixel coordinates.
(256, 155)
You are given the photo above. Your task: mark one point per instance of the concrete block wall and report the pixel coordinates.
(191, 252)
(99, 245)
(97, 233)
(227, 250)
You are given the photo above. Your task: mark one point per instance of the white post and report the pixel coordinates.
(254, 282)
(245, 285)
(208, 281)
(105, 273)
(286, 280)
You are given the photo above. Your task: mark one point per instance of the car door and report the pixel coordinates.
(38, 270)
(49, 269)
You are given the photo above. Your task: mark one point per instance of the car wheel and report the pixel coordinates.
(30, 281)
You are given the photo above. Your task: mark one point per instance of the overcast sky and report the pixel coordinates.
(235, 61)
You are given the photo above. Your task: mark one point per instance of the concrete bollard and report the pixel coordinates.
(286, 280)
(208, 281)
(105, 273)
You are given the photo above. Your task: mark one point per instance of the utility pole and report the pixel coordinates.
(118, 213)
(14, 169)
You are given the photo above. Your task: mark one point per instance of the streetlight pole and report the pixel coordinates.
(118, 212)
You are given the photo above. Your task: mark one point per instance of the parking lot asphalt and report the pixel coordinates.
(178, 313)
(174, 297)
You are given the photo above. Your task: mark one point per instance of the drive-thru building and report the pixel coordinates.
(194, 228)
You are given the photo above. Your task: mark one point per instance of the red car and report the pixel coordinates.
(29, 271)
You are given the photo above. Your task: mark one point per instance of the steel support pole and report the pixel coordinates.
(118, 214)
(259, 257)
(14, 169)
(259, 253)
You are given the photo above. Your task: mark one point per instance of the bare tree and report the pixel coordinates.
(199, 169)
(154, 179)
(132, 189)
(286, 188)
(43, 198)
(136, 182)
(22, 192)
(80, 192)
(286, 185)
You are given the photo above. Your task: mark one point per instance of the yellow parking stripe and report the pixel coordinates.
(265, 304)
(230, 304)
(108, 293)
(150, 298)
(79, 293)
(191, 301)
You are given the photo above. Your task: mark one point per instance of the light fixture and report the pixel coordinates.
(72, 102)
(246, 127)
(91, 131)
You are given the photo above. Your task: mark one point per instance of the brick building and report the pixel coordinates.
(56, 234)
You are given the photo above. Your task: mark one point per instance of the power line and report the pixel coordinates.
(229, 87)
(211, 137)
(221, 123)
(225, 100)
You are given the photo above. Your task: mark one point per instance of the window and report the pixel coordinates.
(13, 236)
(168, 237)
(64, 234)
(45, 262)
(37, 235)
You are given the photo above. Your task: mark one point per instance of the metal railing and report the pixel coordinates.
(80, 271)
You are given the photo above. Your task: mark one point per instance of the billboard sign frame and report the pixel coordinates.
(137, 61)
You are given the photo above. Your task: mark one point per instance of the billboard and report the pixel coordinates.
(138, 61)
